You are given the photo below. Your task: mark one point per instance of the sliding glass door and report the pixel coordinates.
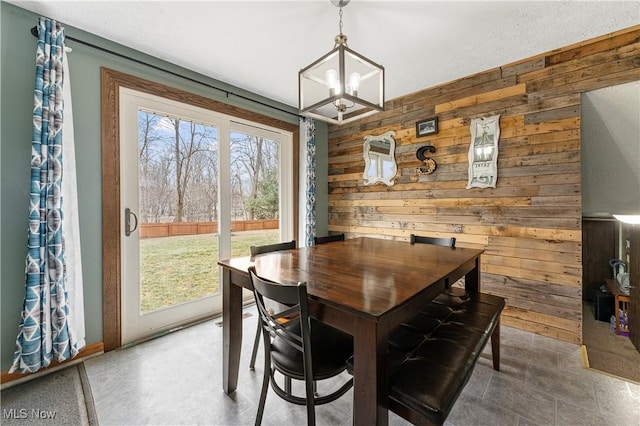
(196, 187)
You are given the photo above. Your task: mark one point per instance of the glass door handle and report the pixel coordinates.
(127, 221)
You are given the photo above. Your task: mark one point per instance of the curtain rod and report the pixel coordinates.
(34, 31)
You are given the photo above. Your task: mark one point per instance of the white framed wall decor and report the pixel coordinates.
(483, 152)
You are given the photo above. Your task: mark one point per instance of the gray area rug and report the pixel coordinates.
(61, 398)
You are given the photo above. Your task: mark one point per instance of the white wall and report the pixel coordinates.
(610, 129)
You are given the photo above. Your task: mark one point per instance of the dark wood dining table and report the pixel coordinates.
(363, 286)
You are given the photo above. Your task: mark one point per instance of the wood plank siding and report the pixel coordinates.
(530, 224)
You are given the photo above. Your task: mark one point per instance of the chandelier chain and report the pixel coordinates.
(340, 13)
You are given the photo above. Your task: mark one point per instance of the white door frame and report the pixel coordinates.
(134, 325)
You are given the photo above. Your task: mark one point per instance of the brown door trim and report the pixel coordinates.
(111, 81)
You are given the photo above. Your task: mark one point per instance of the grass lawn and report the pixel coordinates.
(175, 270)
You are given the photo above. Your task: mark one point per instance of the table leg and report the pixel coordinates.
(231, 331)
(472, 278)
(370, 390)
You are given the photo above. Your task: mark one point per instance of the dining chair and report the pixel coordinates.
(268, 248)
(446, 242)
(256, 250)
(300, 348)
(328, 239)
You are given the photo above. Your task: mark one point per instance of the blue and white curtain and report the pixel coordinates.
(310, 137)
(46, 332)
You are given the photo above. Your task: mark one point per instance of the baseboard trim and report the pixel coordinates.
(585, 357)
(85, 353)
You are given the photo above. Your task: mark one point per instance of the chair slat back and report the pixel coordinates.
(268, 248)
(294, 296)
(446, 242)
(328, 239)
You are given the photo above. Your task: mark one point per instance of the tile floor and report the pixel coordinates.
(177, 379)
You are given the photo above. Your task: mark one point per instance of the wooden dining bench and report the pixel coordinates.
(432, 356)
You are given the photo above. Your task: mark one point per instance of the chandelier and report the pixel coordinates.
(342, 86)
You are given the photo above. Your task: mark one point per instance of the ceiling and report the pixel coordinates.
(261, 45)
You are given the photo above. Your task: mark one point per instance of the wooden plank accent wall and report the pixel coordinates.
(530, 224)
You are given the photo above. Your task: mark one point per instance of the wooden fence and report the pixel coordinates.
(153, 230)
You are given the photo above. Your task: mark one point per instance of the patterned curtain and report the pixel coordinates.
(44, 333)
(310, 136)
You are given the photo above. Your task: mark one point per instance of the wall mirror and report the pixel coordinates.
(379, 158)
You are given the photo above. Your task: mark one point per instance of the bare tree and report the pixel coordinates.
(247, 156)
(254, 161)
(191, 139)
(256, 164)
(212, 185)
(179, 171)
(150, 145)
(147, 133)
(202, 201)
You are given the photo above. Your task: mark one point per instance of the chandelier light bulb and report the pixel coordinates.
(354, 83)
(333, 83)
(332, 79)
